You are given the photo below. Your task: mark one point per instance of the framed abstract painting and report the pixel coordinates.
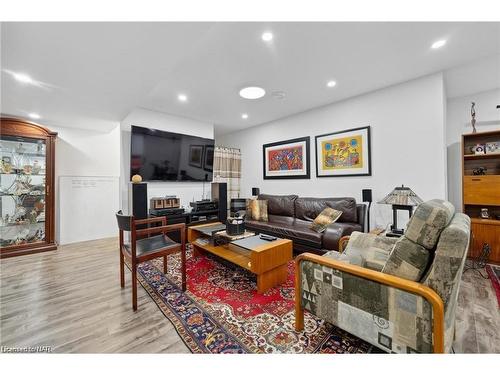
(286, 159)
(344, 153)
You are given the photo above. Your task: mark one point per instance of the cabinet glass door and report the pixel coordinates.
(22, 190)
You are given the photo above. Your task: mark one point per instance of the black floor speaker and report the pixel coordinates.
(138, 200)
(219, 194)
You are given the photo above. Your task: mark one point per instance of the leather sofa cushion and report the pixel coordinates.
(278, 219)
(309, 208)
(297, 231)
(279, 204)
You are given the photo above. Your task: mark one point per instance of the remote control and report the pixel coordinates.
(267, 237)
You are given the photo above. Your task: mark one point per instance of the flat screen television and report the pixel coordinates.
(158, 155)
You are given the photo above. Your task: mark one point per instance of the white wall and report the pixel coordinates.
(87, 153)
(186, 191)
(407, 126)
(458, 123)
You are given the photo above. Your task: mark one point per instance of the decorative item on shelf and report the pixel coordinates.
(6, 164)
(27, 169)
(286, 159)
(485, 214)
(39, 205)
(36, 167)
(20, 149)
(473, 116)
(136, 179)
(367, 197)
(479, 171)
(493, 147)
(344, 153)
(401, 198)
(479, 149)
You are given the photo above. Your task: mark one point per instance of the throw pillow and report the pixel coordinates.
(324, 219)
(258, 209)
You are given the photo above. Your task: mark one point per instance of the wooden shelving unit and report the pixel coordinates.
(482, 191)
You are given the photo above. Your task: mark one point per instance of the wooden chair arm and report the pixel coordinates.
(390, 280)
(162, 220)
(343, 243)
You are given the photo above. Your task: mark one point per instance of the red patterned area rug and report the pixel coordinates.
(494, 273)
(221, 312)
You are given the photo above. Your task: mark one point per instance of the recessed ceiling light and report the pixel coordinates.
(182, 97)
(252, 92)
(267, 36)
(23, 78)
(438, 44)
(244, 116)
(331, 83)
(34, 116)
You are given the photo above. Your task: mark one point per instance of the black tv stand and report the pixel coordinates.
(188, 218)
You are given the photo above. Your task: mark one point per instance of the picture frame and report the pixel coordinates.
(345, 153)
(196, 156)
(287, 159)
(208, 158)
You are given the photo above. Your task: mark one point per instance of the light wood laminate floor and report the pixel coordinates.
(71, 300)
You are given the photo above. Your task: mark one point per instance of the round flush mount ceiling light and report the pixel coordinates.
(438, 44)
(182, 97)
(252, 92)
(244, 116)
(23, 78)
(331, 83)
(267, 36)
(34, 116)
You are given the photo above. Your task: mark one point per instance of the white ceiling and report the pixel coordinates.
(94, 74)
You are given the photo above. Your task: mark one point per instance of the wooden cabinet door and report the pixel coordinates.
(486, 233)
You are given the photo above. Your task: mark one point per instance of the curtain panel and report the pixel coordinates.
(227, 168)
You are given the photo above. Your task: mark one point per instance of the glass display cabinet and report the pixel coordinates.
(26, 188)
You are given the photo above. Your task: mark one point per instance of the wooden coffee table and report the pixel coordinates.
(266, 259)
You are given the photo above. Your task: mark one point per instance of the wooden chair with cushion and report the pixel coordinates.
(150, 247)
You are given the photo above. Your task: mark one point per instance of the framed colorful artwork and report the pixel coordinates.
(344, 153)
(286, 159)
(195, 155)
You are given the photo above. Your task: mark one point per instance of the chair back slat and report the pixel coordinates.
(124, 221)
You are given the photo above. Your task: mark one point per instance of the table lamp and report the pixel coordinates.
(401, 198)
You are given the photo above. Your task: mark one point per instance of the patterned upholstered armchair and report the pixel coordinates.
(399, 294)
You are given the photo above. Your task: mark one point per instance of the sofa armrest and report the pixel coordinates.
(334, 232)
(404, 299)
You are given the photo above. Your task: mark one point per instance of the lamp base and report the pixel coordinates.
(394, 234)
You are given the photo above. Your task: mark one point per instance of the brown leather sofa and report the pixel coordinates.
(290, 217)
